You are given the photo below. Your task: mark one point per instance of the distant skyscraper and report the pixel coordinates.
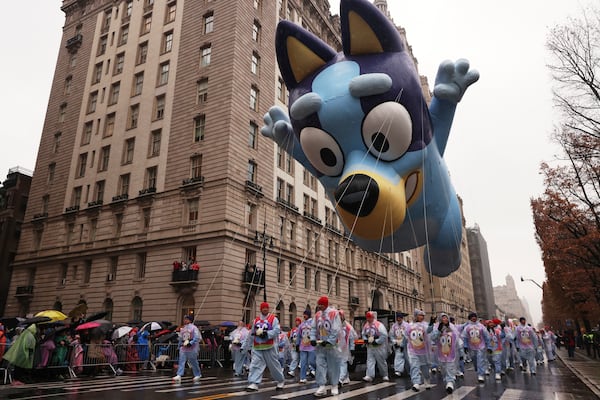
(480, 273)
(508, 300)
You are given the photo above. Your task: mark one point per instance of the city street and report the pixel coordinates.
(553, 381)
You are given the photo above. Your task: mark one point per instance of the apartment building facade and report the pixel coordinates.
(152, 137)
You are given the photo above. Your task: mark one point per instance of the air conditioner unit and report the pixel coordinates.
(63, 281)
(110, 277)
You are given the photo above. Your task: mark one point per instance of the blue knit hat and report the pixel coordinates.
(307, 312)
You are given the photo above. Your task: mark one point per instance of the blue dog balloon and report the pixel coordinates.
(359, 122)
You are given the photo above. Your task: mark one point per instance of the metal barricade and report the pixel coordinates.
(133, 357)
(165, 354)
(4, 367)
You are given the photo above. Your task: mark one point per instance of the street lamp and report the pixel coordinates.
(537, 284)
(263, 240)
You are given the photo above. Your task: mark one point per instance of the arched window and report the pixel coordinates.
(293, 314)
(136, 308)
(107, 306)
(279, 311)
(187, 305)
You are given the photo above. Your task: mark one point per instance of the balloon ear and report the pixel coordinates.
(365, 30)
(299, 53)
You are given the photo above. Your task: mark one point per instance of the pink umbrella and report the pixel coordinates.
(87, 325)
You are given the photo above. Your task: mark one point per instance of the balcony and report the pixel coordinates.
(39, 216)
(313, 218)
(254, 188)
(74, 43)
(95, 203)
(71, 209)
(147, 191)
(333, 229)
(184, 282)
(120, 197)
(287, 204)
(354, 301)
(253, 279)
(198, 180)
(24, 292)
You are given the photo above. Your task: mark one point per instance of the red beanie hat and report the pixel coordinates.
(298, 319)
(323, 300)
(264, 304)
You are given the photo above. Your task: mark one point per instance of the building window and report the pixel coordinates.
(280, 189)
(68, 85)
(76, 196)
(115, 89)
(205, 52)
(151, 175)
(134, 113)
(317, 286)
(107, 19)
(202, 91)
(171, 12)
(193, 206)
(254, 98)
(292, 275)
(45, 201)
(136, 309)
(256, 31)
(56, 144)
(167, 44)
(124, 35)
(199, 127)
(306, 278)
(280, 270)
(255, 63)
(257, 4)
(289, 193)
(92, 102)
(138, 83)
(99, 191)
(128, 151)
(146, 24)
(209, 20)
(62, 113)
(87, 272)
(252, 135)
(119, 62)
(196, 166)
(104, 158)
(118, 226)
(81, 165)
(102, 45)
(146, 218)
(252, 167)
(129, 8)
(159, 106)
(281, 93)
(124, 184)
(142, 53)
(97, 73)
(155, 138)
(51, 171)
(251, 211)
(163, 74)
(93, 229)
(109, 125)
(141, 266)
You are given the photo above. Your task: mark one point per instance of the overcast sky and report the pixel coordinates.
(500, 133)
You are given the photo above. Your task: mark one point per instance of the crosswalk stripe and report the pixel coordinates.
(306, 391)
(261, 390)
(366, 389)
(168, 382)
(515, 394)
(402, 395)
(460, 392)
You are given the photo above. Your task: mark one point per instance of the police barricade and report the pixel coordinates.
(93, 358)
(4, 367)
(134, 357)
(167, 354)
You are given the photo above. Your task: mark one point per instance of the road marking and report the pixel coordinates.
(366, 389)
(307, 391)
(461, 391)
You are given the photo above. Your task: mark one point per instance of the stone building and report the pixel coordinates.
(508, 300)
(151, 156)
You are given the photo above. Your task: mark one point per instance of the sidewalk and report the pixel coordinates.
(585, 368)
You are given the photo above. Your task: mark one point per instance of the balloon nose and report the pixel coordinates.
(357, 194)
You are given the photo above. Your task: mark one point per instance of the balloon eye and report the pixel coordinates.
(387, 131)
(323, 152)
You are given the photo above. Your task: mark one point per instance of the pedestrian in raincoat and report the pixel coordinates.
(447, 351)
(307, 350)
(189, 345)
(549, 339)
(397, 334)
(346, 346)
(496, 335)
(22, 351)
(416, 342)
(526, 342)
(238, 339)
(324, 335)
(294, 349)
(476, 341)
(375, 336)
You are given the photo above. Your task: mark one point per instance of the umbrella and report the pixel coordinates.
(11, 322)
(168, 337)
(34, 320)
(152, 326)
(120, 332)
(54, 315)
(228, 324)
(96, 316)
(79, 309)
(201, 322)
(87, 325)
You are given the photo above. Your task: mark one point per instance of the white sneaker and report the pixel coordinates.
(291, 373)
(345, 381)
(480, 379)
(335, 390)
(177, 379)
(498, 377)
(416, 387)
(367, 379)
(302, 381)
(449, 387)
(460, 374)
(321, 391)
(313, 373)
(386, 378)
(253, 387)
(280, 385)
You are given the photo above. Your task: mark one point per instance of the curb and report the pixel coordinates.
(586, 381)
